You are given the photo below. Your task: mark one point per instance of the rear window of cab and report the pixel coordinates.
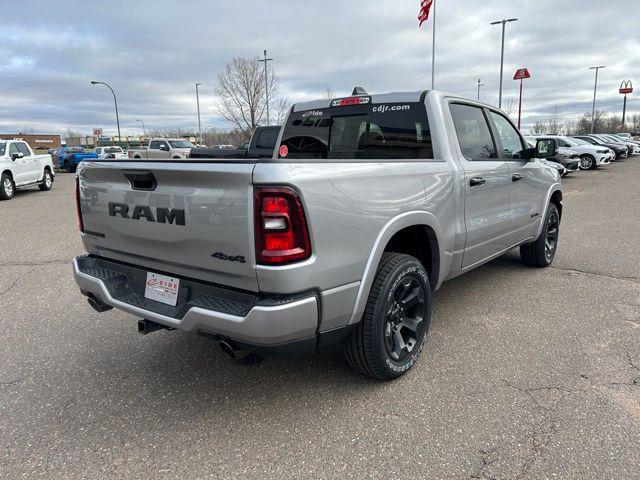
(382, 131)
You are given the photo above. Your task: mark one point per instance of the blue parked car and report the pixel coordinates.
(68, 158)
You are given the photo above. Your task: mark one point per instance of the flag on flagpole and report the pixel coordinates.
(425, 8)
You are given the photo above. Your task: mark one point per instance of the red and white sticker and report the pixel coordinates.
(162, 288)
(284, 151)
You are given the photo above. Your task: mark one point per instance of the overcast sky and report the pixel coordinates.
(153, 52)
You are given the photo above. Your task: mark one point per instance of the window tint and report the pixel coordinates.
(154, 145)
(509, 137)
(268, 138)
(22, 148)
(385, 131)
(3, 148)
(13, 149)
(473, 132)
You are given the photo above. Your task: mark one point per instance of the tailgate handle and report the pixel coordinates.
(143, 180)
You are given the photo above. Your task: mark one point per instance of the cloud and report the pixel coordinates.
(153, 53)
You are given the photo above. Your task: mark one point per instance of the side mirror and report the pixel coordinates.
(164, 148)
(16, 155)
(545, 148)
(529, 154)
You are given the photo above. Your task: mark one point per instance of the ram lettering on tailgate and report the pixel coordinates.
(162, 215)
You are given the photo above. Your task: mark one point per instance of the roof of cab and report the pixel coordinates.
(394, 97)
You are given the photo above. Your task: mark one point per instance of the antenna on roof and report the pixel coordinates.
(359, 91)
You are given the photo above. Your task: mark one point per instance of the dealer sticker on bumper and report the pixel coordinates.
(162, 288)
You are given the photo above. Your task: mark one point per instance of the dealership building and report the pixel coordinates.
(36, 142)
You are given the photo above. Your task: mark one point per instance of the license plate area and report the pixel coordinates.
(162, 288)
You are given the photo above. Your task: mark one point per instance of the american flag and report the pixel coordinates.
(425, 7)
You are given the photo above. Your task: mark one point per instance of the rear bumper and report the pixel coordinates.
(203, 308)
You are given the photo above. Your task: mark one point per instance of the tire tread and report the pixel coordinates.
(360, 348)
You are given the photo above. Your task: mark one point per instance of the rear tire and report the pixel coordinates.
(47, 181)
(7, 187)
(540, 254)
(389, 339)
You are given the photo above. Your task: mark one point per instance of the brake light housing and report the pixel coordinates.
(344, 102)
(78, 206)
(281, 231)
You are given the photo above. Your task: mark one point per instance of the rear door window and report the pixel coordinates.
(384, 131)
(474, 135)
(155, 145)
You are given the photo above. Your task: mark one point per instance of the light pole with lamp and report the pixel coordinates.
(504, 23)
(144, 130)
(595, 90)
(266, 81)
(115, 100)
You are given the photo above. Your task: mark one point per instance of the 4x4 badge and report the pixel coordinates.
(229, 258)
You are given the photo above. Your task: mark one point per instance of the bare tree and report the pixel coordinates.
(510, 107)
(570, 127)
(27, 130)
(171, 133)
(329, 94)
(281, 109)
(70, 133)
(615, 123)
(584, 123)
(555, 122)
(213, 136)
(539, 127)
(241, 93)
(635, 122)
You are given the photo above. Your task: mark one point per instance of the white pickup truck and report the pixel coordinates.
(177, 149)
(21, 167)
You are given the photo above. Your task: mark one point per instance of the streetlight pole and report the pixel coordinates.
(504, 24)
(479, 85)
(144, 130)
(198, 103)
(266, 82)
(595, 92)
(115, 100)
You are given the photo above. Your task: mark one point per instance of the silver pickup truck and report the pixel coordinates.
(174, 148)
(368, 205)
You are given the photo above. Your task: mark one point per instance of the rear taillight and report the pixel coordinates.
(78, 207)
(281, 229)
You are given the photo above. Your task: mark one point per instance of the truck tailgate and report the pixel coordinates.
(189, 219)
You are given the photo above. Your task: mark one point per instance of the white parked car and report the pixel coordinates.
(20, 167)
(633, 147)
(624, 136)
(561, 170)
(591, 156)
(111, 152)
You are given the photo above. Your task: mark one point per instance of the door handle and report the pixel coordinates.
(517, 177)
(477, 181)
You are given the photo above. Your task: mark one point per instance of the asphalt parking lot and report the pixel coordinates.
(526, 374)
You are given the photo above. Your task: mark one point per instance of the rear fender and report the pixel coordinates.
(393, 226)
(554, 188)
